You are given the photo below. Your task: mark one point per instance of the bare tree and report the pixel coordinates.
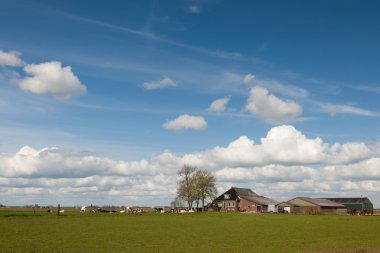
(195, 185)
(186, 185)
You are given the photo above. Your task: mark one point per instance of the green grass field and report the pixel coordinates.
(199, 232)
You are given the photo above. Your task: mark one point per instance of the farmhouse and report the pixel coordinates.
(243, 200)
(355, 205)
(311, 206)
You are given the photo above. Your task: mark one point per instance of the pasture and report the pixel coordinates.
(25, 231)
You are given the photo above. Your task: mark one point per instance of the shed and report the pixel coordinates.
(312, 206)
(353, 205)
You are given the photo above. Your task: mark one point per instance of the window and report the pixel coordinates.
(227, 196)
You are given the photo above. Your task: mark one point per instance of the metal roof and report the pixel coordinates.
(261, 200)
(321, 202)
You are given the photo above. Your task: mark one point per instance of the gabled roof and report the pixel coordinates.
(261, 200)
(320, 202)
(244, 192)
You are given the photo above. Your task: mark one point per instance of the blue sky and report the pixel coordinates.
(107, 101)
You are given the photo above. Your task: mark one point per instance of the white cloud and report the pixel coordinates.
(219, 105)
(248, 78)
(271, 108)
(50, 77)
(349, 152)
(165, 82)
(11, 59)
(346, 109)
(283, 164)
(282, 145)
(186, 122)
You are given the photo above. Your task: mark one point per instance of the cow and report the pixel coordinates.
(83, 209)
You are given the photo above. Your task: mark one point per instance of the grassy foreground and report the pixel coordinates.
(198, 232)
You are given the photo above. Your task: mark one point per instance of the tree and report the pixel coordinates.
(186, 185)
(205, 186)
(195, 185)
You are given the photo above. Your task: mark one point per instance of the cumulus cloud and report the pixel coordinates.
(283, 145)
(186, 122)
(11, 59)
(248, 78)
(51, 78)
(219, 105)
(58, 163)
(270, 108)
(163, 83)
(276, 173)
(283, 164)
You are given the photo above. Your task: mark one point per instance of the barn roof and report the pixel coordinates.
(244, 192)
(321, 202)
(261, 200)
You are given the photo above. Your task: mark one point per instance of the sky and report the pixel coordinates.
(102, 103)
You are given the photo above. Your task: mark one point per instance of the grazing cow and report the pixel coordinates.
(127, 209)
(61, 211)
(83, 209)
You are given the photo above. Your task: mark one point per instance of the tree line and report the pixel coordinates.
(194, 186)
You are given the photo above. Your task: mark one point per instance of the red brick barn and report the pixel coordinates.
(243, 200)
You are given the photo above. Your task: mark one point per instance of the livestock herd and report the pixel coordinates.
(135, 210)
(125, 209)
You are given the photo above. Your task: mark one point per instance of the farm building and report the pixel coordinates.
(243, 200)
(355, 205)
(312, 206)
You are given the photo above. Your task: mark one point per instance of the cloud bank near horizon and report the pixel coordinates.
(285, 163)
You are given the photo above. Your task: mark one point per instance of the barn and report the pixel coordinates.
(311, 206)
(243, 200)
(355, 205)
